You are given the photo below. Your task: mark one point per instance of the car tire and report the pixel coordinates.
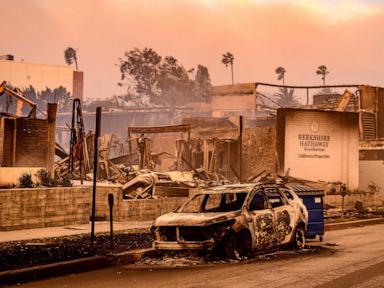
(239, 246)
(299, 240)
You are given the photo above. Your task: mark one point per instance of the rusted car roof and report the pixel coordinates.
(231, 188)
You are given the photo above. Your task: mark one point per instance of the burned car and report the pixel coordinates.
(238, 219)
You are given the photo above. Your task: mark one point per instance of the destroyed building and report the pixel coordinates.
(26, 142)
(368, 102)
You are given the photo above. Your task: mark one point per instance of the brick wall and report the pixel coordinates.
(6, 141)
(146, 210)
(43, 207)
(34, 142)
(132, 210)
(31, 142)
(46, 207)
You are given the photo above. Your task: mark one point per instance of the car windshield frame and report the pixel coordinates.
(206, 194)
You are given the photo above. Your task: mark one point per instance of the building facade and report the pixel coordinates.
(319, 145)
(42, 76)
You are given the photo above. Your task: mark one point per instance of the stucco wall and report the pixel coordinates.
(40, 76)
(371, 172)
(10, 176)
(368, 200)
(322, 145)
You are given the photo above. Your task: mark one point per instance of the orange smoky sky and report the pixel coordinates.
(346, 36)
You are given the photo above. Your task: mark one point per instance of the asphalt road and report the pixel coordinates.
(358, 262)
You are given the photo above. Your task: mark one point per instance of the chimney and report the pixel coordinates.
(51, 118)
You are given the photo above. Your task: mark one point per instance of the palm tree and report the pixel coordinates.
(322, 70)
(280, 71)
(286, 97)
(228, 59)
(70, 56)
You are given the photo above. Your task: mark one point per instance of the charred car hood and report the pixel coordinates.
(194, 219)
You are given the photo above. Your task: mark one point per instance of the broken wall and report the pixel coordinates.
(28, 142)
(259, 151)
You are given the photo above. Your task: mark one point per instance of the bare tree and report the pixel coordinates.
(228, 60)
(70, 56)
(280, 71)
(323, 71)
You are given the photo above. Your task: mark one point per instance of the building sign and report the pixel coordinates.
(313, 145)
(319, 145)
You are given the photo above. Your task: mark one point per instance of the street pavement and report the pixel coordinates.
(358, 262)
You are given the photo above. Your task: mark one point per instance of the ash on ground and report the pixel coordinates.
(28, 253)
(190, 259)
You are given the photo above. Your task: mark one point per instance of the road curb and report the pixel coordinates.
(73, 266)
(351, 224)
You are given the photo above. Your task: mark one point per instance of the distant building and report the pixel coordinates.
(41, 76)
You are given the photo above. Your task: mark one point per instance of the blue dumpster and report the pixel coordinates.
(313, 199)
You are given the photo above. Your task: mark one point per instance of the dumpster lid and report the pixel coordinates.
(302, 189)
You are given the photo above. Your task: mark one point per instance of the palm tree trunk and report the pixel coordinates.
(77, 68)
(232, 72)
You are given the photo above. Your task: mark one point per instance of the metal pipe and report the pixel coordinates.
(308, 87)
(95, 164)
(241, 118)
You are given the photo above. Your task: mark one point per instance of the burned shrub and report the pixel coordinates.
(46, 178)
(26, 180)
(65, 182)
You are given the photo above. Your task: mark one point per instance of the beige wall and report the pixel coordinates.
(333, 158)
(230, 100)
(10, 176)
(367, 199)
(22, 75)
(371, 171)
(233, 102)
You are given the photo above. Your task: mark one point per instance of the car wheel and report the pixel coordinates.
(239, 246)
(299, 240)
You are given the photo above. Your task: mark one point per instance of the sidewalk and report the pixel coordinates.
(48, 232)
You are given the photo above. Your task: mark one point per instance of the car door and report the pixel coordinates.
(283, 215)
(262, 221)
